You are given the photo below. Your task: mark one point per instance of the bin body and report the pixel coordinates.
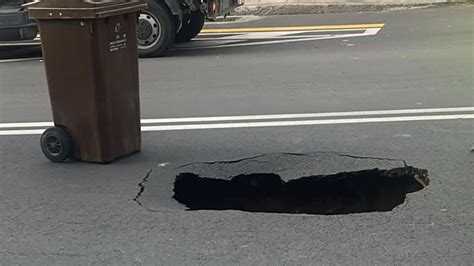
(92, 72)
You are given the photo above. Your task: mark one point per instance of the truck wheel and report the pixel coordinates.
(155, 30)
(192, 26)
(56, 144)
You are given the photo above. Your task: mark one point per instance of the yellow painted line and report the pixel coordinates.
(297, 28)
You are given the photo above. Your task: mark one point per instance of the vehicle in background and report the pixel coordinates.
(14, 22)
(169, 21)
(163, 23)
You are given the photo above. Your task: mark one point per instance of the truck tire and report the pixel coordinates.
(192, 26)
(155, 30)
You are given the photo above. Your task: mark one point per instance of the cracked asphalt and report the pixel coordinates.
(77, 213)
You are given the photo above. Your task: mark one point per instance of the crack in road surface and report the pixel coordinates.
(141, 185)
(223, 162)
(341, 193)
(348, 155)
(297, 154)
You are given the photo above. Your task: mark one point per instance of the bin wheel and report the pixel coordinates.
(56, 144)
(192, 26)
(155, 30)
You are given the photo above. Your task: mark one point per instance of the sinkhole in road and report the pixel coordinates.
(371, 190)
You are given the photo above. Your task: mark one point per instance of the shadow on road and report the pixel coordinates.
(7, 53)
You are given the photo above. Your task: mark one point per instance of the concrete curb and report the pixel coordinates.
(294, 9)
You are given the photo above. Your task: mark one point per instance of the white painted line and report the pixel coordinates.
(26, 124)
(275, 37)
(308, 115)
(295, 28)
(308, 122)
(21, 132)
(201, 43)
(266, 117)
(275, 123)
(18, 44)
(281, 32)
(261, 35)
(367, 32)
(20, 59)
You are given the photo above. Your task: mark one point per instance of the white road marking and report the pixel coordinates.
(19, 44)
(367, 32)
(26, 124)
(270, 123)
(308, 122)
(200, 43)
(308, 115)
(258, 35)
(286, 32)
(261, 35)
(20, 59)
(21, 132)
(266, 117)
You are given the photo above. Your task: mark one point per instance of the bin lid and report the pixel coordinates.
(81, 9)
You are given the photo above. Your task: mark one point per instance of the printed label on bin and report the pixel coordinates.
(120, 41)
(117, 45)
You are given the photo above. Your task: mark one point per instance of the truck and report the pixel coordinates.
(14, 22)
(162, 24)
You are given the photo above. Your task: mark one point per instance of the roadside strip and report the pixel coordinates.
(163, 124)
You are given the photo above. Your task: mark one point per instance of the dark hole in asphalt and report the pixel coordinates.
(342, 193)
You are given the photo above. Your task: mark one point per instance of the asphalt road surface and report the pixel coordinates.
(385, 90)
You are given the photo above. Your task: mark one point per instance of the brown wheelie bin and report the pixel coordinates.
(90, 55)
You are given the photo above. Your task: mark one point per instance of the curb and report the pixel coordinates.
(298, 9)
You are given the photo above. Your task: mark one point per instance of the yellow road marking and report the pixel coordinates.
(325, 27)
